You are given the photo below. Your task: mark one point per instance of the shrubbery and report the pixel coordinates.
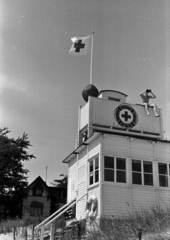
(153, 223)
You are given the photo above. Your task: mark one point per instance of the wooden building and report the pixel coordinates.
(121, 157)
(42, 200)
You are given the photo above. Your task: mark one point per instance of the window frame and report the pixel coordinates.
(142, 172)
(93, 159)
(168, 175)
(37, 194)
(115, 170)
(34, 211)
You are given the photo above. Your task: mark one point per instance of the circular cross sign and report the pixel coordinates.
(126, 116)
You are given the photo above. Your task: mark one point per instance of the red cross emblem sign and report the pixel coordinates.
(126, 116)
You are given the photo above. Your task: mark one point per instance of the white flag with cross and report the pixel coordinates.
(79, 46)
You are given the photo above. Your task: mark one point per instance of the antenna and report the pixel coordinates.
(46, 174)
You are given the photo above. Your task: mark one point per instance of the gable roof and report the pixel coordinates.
(38, 181)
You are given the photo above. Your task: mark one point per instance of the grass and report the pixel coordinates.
(153, 223)
(12, 225)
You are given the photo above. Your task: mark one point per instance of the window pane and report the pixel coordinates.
(109, 162)
(137, 178)
(121, 176)
(148, 179)
(163, 181)
(35, 211)
(38, 192)
(121, 163)
(109, 175)
(162, 167)
(147, 166)
(91, 178)
(96, 176)
(136, 165)
(97, 163)
(91, 166)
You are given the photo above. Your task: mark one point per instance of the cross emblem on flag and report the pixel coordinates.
(80, 45)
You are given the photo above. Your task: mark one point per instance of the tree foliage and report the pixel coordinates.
(13, 153)
(61, 182)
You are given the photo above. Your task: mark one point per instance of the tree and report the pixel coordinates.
(61, 182)
(13, 153)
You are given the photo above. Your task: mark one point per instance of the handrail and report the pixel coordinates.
(46, 220)
(64, 210)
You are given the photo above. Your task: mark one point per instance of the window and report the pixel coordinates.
(2, 209)
(63, 194)
(35, 211)
(114, 169)
(37, 191)
(142, 173)
(163, 174)
(94, 170)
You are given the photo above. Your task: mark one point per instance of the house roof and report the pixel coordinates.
(97, 133)
(38, 181)
(112, 91)
(54, 190)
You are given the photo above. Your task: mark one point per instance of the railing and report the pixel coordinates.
(51, 219)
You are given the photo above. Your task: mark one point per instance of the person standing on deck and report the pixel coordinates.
(146, 96)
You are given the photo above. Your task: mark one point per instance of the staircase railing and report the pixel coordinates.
(50, 220)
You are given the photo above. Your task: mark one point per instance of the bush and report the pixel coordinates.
(152, 222)
(9, 224)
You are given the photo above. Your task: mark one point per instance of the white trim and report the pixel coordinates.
(115, 170)
(142, 172)
(93, 158)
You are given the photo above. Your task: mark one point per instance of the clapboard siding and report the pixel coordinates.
(102, 112)
(143, 197)
(94, 144)
(142, 149)
(82, 154)
(93, 152)
(162, 151)
(82, 161)
(116, 200)
(72, 179)
(164, 197)
(82, 174)
(116, 145)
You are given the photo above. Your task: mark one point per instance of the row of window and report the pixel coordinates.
(38, 192)
(115, 171)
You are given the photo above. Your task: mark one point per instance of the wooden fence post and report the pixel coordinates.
(52, 231)
(25, 233)
(14, 231)
(42, 233)
(33, 232)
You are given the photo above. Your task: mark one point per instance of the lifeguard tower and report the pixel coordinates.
(121, 157)
(121, 161)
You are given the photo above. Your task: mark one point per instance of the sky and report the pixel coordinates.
(41, 84)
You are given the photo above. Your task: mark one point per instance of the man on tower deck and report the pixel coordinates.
(146, 95)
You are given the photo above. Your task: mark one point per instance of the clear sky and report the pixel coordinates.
(41, 84)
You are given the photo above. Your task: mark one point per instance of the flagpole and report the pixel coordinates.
(91, 61)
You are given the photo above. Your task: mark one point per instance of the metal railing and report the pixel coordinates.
(51, 219)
